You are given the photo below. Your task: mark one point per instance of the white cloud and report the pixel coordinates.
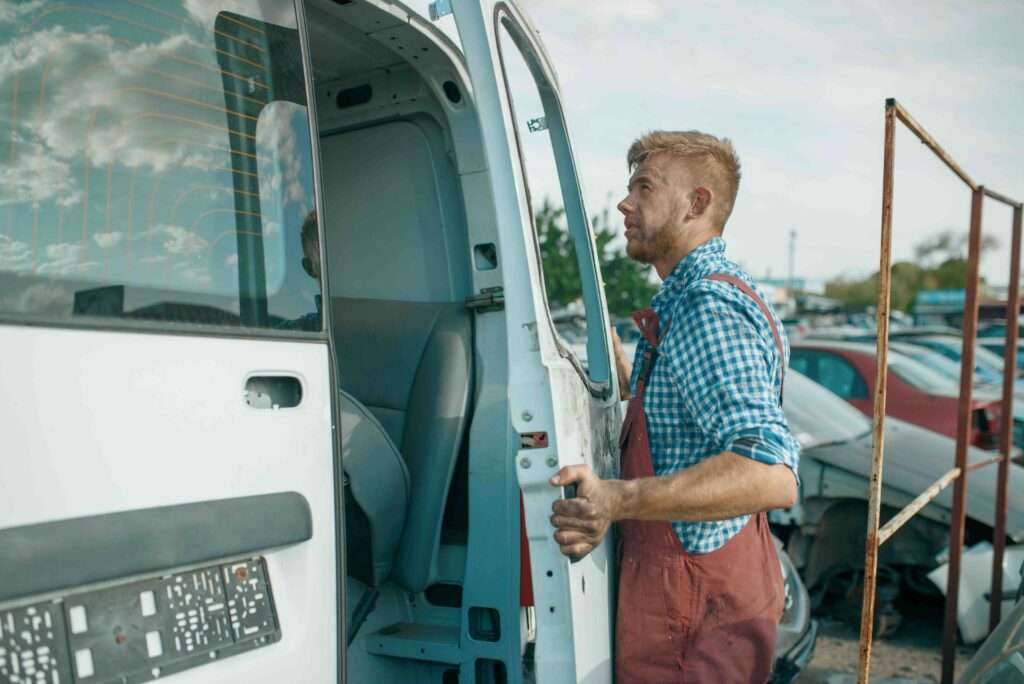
(800, 88)
(65, 259)
(36, 175)
(108, 240)
(47, 298)
(192, 275)
(15, 256)
(205, 12)
(102, 102)
(12, 11)
(282, 166)
(177, 240)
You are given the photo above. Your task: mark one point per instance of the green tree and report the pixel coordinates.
(627, 284)
(940, 263)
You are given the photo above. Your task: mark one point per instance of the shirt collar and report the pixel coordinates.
(689, 268)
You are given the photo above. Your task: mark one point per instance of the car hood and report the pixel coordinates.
(915, 458)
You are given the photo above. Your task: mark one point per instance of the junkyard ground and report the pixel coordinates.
(913, 654)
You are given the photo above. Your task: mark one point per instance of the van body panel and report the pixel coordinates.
(547, 391)
(99, 422)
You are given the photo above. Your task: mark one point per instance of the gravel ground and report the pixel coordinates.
(912, 654)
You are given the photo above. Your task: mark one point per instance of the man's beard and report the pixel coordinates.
(650, 246)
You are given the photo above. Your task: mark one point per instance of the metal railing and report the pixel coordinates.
(958, 474)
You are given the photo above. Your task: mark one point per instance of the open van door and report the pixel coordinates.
(168, 480)
(565, 406)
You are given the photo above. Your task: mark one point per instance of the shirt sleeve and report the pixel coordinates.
(727, 376)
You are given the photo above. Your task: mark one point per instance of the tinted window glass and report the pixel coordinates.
(159, 164)
(799, 362)
(840, 377)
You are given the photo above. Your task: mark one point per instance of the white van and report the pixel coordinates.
(212, 464)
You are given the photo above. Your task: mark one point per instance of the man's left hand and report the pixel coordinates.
(582, 522)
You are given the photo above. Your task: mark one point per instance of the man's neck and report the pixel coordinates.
(680, 251)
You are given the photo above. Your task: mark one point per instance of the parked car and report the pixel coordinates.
(798, 631)
(996, 330)
(915, 393)
(1000, 660)
(987, 364)
(982, 389)
(997, 345)
(974, 595)
(824, 532)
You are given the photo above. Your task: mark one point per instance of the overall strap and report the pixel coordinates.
(647, 321)
(749, 291)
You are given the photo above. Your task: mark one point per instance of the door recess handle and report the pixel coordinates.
(273, 391)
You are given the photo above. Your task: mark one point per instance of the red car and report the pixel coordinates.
(916, 393)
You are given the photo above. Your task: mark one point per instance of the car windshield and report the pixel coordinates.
(987, 363)
(942, 365)
(817, 416)
(919, 375)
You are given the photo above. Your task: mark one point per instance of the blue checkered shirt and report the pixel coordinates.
(716, 382)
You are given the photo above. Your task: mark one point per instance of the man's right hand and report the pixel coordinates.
(623, 365)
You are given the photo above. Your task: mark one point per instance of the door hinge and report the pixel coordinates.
(440, 8)
(489, 299)
(537, 125)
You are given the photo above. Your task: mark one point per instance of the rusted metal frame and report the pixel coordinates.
(918, 130)
(911, 509)
(881, 376)
(958, 475)
(987, 462)
(1006, 441)
(999, 197)
(963, 435)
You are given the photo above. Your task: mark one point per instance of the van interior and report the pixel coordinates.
(399, 162)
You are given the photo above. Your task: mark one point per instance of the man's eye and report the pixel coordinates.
(645, 187)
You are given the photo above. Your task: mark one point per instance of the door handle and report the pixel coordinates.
(273, 391)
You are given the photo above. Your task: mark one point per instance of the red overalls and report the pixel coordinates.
(685, 617)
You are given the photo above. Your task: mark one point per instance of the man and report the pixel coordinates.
(705, 446)
(311, 265)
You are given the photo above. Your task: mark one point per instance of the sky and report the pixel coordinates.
(800, 87)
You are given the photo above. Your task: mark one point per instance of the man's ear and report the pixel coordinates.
(700, 202)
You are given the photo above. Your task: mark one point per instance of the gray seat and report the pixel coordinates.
(410, 364)
(377, 493)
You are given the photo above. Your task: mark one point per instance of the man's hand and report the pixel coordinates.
(623, 365)
(581, 523)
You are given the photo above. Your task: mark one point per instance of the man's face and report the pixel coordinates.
(654, 210)
(311, 250)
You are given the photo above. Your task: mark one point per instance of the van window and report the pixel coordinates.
(562, 229)
(158, 165)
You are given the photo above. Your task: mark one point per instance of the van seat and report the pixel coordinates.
(377, 493)
(410, 364)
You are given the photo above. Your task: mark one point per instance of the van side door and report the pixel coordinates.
(169, 486)
(562, 389)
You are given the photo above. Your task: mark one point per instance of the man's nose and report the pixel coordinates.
(624, 207)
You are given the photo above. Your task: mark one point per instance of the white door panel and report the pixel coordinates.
(548, 388)
(101, 422)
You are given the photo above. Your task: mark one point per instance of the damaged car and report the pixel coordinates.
(824, 531)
